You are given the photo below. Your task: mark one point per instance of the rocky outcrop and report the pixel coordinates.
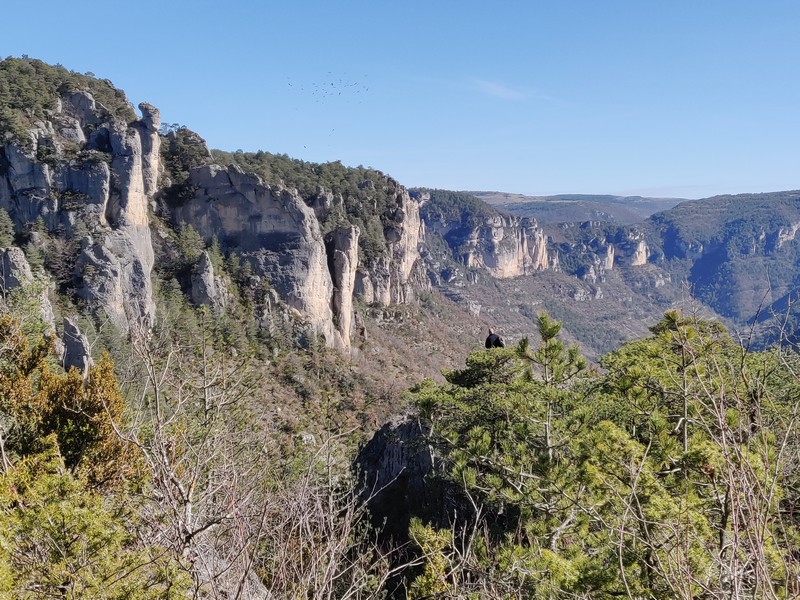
(776, 240)
(16, 274)
(504, 245)
(207, 288)
(507, 247)
(77, 352)
(280, 235)
(105, 186)
(343, 253)
(273, 229)
(608, 259)
(147, 128)
(394, 277)
(640, 254)
(399, 478)
(14, 270)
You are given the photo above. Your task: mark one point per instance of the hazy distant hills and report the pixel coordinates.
(739, 252)
(736, 254)
(570, 208)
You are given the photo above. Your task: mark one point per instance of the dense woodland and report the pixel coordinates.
(670, 473)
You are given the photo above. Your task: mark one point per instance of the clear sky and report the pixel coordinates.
(685, 98)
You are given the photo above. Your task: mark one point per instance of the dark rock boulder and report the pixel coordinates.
(401, 479)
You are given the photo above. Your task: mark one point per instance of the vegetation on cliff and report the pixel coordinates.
(30, 87)
(737, 252)
(360, 196)
(461, 208)
(212, 456)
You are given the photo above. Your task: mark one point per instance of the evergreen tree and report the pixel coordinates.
(669, 476)
(6, 230)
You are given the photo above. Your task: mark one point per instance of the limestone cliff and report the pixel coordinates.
(273, 229)
(504, 245)
(82, 171)
(640, 254)
(343, 255)
(208, 289)
(778, 238)
(282, 235)
(392, 277)
(82, 178)
(16, 273)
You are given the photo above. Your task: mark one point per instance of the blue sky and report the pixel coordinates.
(662, 98)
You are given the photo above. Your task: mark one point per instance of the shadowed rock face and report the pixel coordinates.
(402, 477)
(110, 197)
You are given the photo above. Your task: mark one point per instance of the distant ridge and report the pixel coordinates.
(563, 208)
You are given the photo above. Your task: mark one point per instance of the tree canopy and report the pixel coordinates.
(671, 474)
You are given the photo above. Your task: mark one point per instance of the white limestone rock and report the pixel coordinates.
(275, 231)
(343, 247)
(112, 200)
(207, 288)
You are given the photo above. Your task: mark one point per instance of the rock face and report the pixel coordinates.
(343, 253)
(507, 248)
(281, 237)
(92, 178)
(399, 479)
(77, 351)
(608, 260)
(207, 288)
(640, 254)
(15, 273)
(598, 248)
(777, 239)
(504, 245)
(394, 277)
(106, 188)
(275, 231)
(14, 269)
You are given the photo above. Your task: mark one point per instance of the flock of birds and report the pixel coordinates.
(331, 88)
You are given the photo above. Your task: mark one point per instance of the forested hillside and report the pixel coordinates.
(564, 208)
(738, 251)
